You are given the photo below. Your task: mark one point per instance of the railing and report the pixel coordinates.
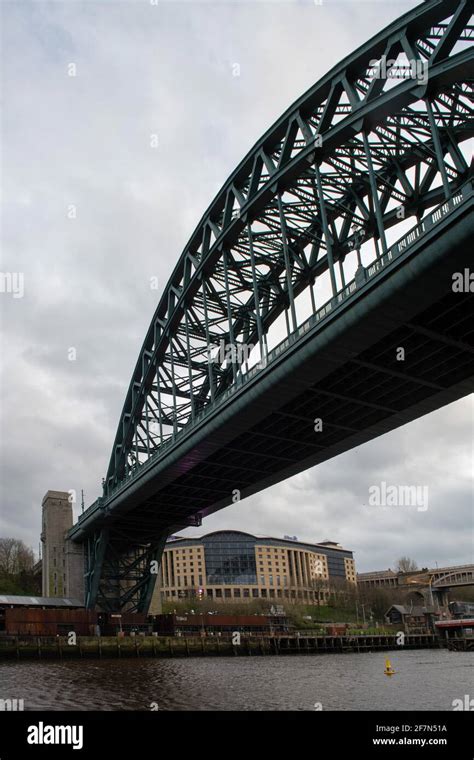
(362, 276)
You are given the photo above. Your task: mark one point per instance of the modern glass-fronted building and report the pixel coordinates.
(230, 565)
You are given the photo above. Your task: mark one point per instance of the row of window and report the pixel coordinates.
(246, 593)
(184, 580)
(191, 565)
(269, 551)
(190, 551)
(270, 564)
(199, 564)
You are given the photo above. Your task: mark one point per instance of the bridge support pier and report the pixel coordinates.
(120, 575)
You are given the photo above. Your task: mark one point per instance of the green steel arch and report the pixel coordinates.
(377, 141)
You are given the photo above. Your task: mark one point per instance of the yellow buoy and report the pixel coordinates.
(389, 671)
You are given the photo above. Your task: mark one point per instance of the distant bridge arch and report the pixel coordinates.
(458, 577)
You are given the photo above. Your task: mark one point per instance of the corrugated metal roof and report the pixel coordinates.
(40, 601)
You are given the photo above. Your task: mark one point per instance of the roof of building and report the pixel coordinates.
(286, 540)
(39, 601)
(459, 623)
(374, 574)
(62, 495)
(410, 610)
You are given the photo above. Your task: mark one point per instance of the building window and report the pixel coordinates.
(271, 580)
(218, 593)
(246, 593)
(255, 593)
(264, 593)
(230, 560)
(227, 593)
(209, 593)
(262, 580)
(236, 593)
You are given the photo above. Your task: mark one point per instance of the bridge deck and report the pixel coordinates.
(342, 369)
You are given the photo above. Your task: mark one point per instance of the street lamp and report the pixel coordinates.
(357, 242)
(431, 591)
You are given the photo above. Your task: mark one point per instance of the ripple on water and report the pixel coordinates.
(423, 681)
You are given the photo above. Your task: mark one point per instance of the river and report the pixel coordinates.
(424, 680)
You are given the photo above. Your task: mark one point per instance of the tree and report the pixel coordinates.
(17, 574)
(15, 557)
(406, 565)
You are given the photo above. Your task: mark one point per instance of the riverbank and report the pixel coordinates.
(59, 647)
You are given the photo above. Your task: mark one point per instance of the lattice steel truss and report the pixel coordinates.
(360, 153)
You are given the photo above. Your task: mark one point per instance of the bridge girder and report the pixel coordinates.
(353, 158)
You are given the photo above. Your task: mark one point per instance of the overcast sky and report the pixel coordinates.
(91, 212)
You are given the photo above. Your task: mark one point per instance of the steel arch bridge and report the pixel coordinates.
(331, 246)
(461, 576)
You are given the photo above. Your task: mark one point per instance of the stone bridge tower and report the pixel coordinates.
(63, 560)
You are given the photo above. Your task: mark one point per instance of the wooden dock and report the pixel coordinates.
(27, 647)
